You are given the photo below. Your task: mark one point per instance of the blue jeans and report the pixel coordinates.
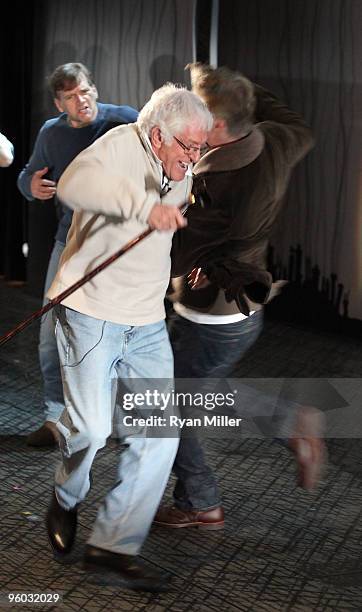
(48, 352)
(204, 351)
(93, 355)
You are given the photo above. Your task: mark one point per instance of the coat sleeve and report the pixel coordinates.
(287, 129)
(238, 278)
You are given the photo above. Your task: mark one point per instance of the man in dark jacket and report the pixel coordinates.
(238, 185)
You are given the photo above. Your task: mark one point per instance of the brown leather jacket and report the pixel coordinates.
(239, 189)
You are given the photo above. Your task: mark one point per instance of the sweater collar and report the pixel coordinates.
(233, 155)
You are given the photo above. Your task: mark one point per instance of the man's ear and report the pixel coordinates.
(219, 123)
(58, 105)
(95, 90)
(156, 137)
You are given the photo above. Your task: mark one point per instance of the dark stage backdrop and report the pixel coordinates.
(131, 47)
(16, 43)
(309, 52)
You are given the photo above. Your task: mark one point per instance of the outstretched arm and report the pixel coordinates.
(288, 128)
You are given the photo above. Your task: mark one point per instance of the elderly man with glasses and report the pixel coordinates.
(113, 328)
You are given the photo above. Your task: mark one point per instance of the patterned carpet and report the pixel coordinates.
(282, 548)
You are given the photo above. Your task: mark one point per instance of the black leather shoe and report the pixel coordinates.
(132, 571)
(61, 526)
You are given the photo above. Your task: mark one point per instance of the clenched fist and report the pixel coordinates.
(165, 217)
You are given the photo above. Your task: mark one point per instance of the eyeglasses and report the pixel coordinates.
(188, 149)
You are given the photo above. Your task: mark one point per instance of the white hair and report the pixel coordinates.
(172, 108)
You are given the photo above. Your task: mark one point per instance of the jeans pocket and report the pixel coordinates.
(82, 334)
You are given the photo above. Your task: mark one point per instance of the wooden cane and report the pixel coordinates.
(59, 298)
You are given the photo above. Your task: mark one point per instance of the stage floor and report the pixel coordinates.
(282, 548)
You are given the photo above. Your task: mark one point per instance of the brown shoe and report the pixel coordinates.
(46, 435)
(202, 519)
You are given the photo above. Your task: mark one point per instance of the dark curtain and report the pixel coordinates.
(203, 26)
(309, 53)
(16, 37)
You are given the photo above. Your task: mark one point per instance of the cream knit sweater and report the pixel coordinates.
(112, 186)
